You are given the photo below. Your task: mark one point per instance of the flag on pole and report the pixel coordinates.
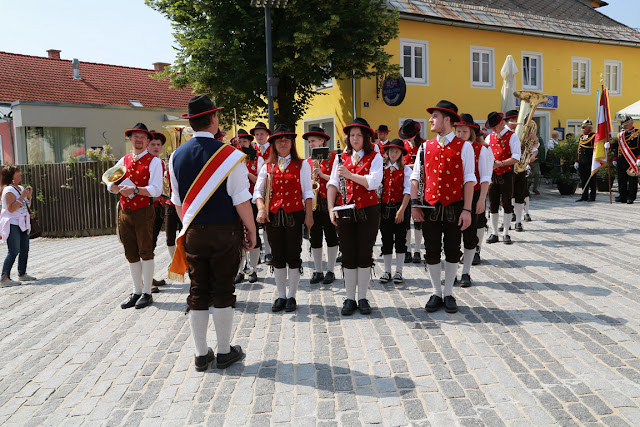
(603, 130)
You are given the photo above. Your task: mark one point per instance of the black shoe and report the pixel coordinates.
(450, 305)
(492, 239)
(131, 302)
(291, 305)
(339, 259)
(329, 278)
(501, 228)
(629, 202)
(239, 278)
(581, 200)
(513, 217)
(619, 199)
(144, 301)
(268, 259)
(316, 278)
(407, 258)
(228, 359)
(476, 259)
(202, 362)
(592, 200)
(385, 278)
(364, 307)
(253, 277)
(349, 307)
(158, 282)
(519, 226)
(416, 258)
(455, 281)
(527, 217)
(279, 305)
(155, 290)
(465, 281)
(434, 304)
(507, 240)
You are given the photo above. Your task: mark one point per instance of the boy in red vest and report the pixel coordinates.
(449, 176)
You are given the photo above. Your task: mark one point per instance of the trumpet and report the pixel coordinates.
(315, 183)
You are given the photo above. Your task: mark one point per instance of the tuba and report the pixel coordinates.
(529, 101)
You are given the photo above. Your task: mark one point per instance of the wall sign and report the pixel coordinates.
(393, 91)
(552, 104)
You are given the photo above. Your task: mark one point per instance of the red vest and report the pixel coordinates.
(477, 147)
(139, 173)
(393, 186)
(501, 150)
(409, 160)
(356, 193)
(252, 166)
(443, 172)
(265, 156)
(286, 188)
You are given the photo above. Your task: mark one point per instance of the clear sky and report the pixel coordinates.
(127, 32)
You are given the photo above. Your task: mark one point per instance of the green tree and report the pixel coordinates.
(221, 50)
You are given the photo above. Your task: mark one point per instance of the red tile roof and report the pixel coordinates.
(34, 78)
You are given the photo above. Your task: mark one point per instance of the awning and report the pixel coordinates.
(633, 110)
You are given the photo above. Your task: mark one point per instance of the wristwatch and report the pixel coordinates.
(136, 191)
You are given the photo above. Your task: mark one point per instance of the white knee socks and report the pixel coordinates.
(172, 250)
(450, 271)
(350, 281)
(136, 276)
(480, 234)
(147, 275)
(199, 322)
(223, 322)
(281, 282)
(254, 257)
(293, 281)
(387, 262)
(495, 217)
(317, 259)
(518, 208)
(364, 276)
(332, 254)
(467, 259)
(506, 222)
(399, 263)
(417, 240)
(435, 271)
(409, 234)
(526, 205)
(265, 243)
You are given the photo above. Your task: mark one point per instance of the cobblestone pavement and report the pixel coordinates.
(548, 335)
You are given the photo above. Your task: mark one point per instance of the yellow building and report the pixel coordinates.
(456, 50)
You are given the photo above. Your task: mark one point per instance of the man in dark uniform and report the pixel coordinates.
(210, 192)
(583, 163)
(627, 184)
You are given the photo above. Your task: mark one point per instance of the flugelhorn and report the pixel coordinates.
(114, 175)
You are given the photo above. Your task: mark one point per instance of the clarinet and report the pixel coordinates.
(343, 183)
(421, 183)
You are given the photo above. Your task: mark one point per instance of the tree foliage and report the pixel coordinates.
(221, 50)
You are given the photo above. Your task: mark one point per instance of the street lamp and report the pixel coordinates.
(272, 82)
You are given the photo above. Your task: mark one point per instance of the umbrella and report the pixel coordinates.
(508, 73)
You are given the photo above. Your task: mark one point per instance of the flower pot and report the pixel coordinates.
(567, 187)
(602, 184)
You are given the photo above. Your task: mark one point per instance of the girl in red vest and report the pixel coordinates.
(356, 174)
(290, 205)
(395, 195)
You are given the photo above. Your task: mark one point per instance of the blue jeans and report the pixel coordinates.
(18, 243)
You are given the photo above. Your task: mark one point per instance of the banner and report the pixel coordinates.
(603, 130)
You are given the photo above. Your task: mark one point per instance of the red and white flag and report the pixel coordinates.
(603, 130)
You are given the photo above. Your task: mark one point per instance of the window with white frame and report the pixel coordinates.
(613, 77)
(580, 75)
(482, 67)
(574, 127)
(415, 60)
(531, 71)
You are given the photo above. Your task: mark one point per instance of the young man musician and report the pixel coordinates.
(155, 149)
(143, 182)
(505, 146)
(210, 192)
(410, 134)
(321, 221)
(449, 176)
(520, 182)
(583, 162)
(383, 137)
(262, 134)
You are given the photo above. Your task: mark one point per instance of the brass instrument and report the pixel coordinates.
(114, 175)
(315, 183)
(166, 187)
(266, 193)
(529, 103)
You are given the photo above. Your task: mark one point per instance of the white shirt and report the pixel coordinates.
(406, 186)
(551, 143)
(374, 177)
(468, 161)
(305, 180)
(155, 175)
(237, 181)
(20, 215)
(485, 164)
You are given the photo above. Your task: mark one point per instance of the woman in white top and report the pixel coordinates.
(15, 224)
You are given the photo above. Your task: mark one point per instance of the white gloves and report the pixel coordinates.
(607, 145)
(638, 162)
(576, 165)
(615, 163)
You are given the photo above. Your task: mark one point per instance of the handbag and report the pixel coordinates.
(36, 228)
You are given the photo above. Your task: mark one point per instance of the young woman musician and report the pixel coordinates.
(290, 197)
(357, 174)
(396, 193)
(321, 172)
(466, 130)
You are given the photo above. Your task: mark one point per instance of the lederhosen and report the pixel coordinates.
(443, 189)
(158, 207)
(628, 185)
(520, 186)
(321, 220)
(137, 215)
(252, 166)
(585, 158)
(392, 195)
(409, 160)
(470, 234)
(501, 186)
(286, 215)
(357, 238)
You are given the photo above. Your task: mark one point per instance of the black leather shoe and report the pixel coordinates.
(202, 362)
(527, 217)
(291, 305)
(228, 359)
(450, 305)
(501, 228)
(279, 305)
(253, 277)
(131, 302)
(513, 217)
(592, 200)
(158, 282)
(407, 258)
(339, 259)
(465, 281)
(434, 304)
(268, 259)
(581, 200)
(492, 239)
(329, 278)
(455, 281)
(364, 307)
(316, 278)
(349, 307)
(476, 259)
(155, 290)
(618, 199)
(416, 258)
(144, 301)
(507, 240)
(629, 202)
(519, 226)
(239, 278)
